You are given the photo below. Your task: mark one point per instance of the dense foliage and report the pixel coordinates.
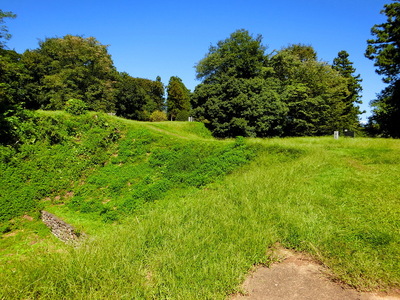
(4, 35)
(384, 49)
(178, 100)
(313, 92)
(97, 164)
(75, 107)
(70, 67)
(245, 92)
(12, 79)
(344, 66)
(57, 152)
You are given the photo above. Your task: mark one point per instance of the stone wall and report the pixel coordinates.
(59, 228)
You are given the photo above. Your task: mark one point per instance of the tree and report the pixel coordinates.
(71, 67)
(385, 120)
(344, 66)
(240, 107)
(12, 88)
(4, 35)
(236, 98)
(288, 92)
(131, 98)
(178, 100)
(239, 56)
(12, 79)
(384, 49)
(155, 91)
(313, 92)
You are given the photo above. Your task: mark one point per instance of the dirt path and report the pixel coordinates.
(298, 277)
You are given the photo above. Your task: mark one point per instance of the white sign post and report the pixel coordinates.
(336, 135)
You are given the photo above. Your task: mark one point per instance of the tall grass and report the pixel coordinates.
(338, 200)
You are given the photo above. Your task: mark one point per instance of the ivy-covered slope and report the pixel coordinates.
(106, 166)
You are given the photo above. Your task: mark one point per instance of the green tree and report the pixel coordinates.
(155, 91)
(131, 98)
(13, 78)
(239, 56)
(4, 34)
(351, 112)
(240, 107)
(158, 116)
(384, 49)
(313, 92)
(178, 100)
(71, 67)
(236, 97)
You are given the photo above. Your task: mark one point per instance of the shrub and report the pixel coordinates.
(158, 116)
(76, 107)
(182, 115)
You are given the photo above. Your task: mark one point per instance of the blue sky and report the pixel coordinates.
(167, 38)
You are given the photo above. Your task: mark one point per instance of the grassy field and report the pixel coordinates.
(335, 199)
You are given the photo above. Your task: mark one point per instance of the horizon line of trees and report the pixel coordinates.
(285, 93)
(74, 67)
(242, 91)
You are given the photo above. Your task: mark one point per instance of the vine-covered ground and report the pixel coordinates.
(171, 213)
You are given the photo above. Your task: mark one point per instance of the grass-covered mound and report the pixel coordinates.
(106, 166)
(337, 200)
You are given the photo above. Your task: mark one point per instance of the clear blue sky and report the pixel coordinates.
(167, 38)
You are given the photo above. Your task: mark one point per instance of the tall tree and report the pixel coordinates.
(239, 56)
(235, 96)
(4, 34)
(313, 92)
(344, 66)
(131, 98)
(71, 67)
(178, 100)
(12, 87)
(13, 76)
(384, 49)
(155, 91)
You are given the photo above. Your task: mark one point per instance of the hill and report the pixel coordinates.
(166, 220)
(100, 164)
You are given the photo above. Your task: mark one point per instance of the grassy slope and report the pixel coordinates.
(337, 200)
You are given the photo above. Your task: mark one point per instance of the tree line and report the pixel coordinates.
(74, 67)
(285, 93)
(243, 90)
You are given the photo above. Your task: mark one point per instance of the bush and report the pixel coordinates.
(182, 115)
(76, 107)
(158, 116)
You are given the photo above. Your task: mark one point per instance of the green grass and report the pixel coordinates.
(337, 200)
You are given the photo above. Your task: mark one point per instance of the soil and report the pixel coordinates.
(298, 277)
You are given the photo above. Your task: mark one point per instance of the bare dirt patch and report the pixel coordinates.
(26, 217)
(298, 277)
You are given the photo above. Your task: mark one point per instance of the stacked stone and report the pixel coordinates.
(59, 228)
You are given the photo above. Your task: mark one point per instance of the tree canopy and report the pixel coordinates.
(137, 98)
(344, 66)
(239, 56)
(242, 90)
(178, 100)
(286, 93)
(12, 92)
(71, 67)
(384, 49)
(235, 98)
(4, 34)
